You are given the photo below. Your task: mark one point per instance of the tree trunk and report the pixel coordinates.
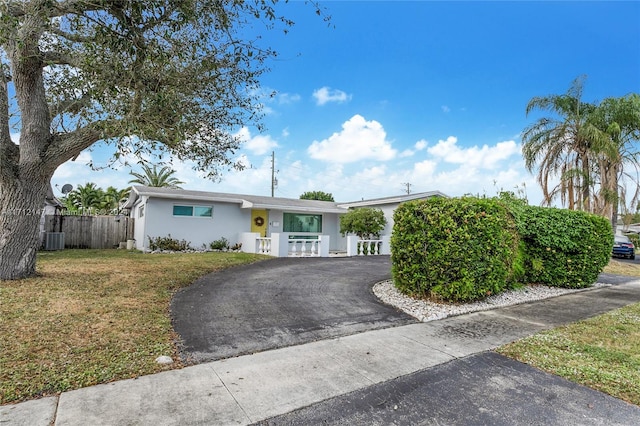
(21, 203)
(616, 201)
(587, 202)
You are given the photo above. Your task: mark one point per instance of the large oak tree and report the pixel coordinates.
(140, 75)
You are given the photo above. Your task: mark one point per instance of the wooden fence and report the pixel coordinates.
(96, 232)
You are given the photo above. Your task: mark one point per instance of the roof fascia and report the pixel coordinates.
(394, 200)
(296, 208)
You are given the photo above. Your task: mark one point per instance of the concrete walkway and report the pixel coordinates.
(324, 376)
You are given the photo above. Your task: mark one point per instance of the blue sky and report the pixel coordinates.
(427, 93)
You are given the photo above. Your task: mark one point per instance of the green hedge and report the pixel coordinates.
(455, 249)
(563, 248)
(468, 248)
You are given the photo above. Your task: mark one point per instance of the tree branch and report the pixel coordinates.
(76, 38)
(77, 7)
(69, 105)
(14, 8)
(66, 146)
(57, 58)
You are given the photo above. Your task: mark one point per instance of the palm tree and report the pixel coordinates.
(86, 198)
(561, 146)
(157, 178)
(618, 120)
(112, 198)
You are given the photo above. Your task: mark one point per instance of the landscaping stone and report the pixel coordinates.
(164, 360)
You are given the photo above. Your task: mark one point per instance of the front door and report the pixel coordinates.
(259, 222)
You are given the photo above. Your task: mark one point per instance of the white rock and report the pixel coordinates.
(424, 310)
(164, 359)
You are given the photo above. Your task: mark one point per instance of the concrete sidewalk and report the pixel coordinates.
(257, 387)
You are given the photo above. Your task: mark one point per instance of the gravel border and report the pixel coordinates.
(424, 310)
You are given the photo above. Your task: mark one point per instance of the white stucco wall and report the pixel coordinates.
(227, 221)
(388, 210)
(331, 227)
(139, 227)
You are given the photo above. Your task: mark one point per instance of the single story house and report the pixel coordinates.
(201, 217)
(389, 204)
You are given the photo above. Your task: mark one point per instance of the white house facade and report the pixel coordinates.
(270, 225)
(389, 204)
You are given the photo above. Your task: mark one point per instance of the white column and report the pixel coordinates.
(279, 244)
(352, 245)
(248, 241)
(324, 243)
(386, 245)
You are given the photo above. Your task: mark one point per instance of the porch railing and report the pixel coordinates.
(303, 247)
(263, 245)
(286, 244)
(358, 247)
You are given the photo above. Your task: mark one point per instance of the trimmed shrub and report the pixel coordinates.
(221, 244)
(563, 248)
(457, 250)
(365, 222)
(167, 243)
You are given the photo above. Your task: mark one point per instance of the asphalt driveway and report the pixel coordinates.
(281, 302)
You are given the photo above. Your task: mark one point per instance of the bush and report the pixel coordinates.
(457, 250)
(366, 222)
(563, 248)
(167, 243)
(221, 244)
(466, 249)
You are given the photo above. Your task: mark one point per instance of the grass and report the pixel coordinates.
(93, 316)
(602, 353)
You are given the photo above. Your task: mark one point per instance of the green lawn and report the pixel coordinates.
(602, 353)
(93, 316)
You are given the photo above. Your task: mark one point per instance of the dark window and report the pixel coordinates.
(294, 222)
(197, 211)
(183, 210)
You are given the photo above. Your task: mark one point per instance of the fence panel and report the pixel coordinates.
(96, 232)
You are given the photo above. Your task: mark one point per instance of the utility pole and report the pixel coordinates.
(273, 172)
(408, 185)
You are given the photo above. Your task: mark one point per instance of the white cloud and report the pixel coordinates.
(406, 153)
(485, 157)
(257, 145)
(326, 94)
(79, 173)
(266, 110)
(358, 162)
(445, 109)
(71, 168)
(288, 98)
(358, 140)
(15, 137)
(423, 170)
(418, 146)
